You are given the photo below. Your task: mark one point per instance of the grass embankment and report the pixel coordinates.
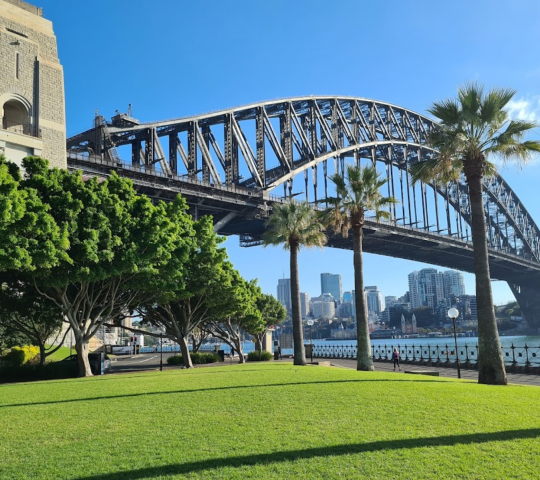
(60, 354)
(268, 422)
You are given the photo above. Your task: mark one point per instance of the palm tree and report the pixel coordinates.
(473, 127)
(295, 225)
(357, 193)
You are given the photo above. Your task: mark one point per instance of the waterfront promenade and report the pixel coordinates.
(515, 378)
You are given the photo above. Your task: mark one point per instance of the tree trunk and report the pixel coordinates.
(490, 360)
(42, 354)
(364, 360)
(238, 348)
(184, 349)
(298, 336)
(81, 347)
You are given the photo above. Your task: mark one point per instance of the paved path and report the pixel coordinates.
(151, 362)
(518, 378)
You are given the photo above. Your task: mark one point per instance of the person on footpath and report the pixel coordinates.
(395, 357)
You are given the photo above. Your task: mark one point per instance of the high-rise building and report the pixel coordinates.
(304, 304)
(373, 299)
(284, 293)
(323, 306)
(389, 301)
(414, 289)
(426, 288)
(453, 284)
(331, 283)
(347, 297)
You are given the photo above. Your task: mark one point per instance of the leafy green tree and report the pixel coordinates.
(123, 250)
(29, 235)
(201, 297)
(35, 317)
(9, 337)
(241, 314)
(272, 312)
(357, 192)
(295, 225)
(198, 337)
(424, 316)
(473, 128)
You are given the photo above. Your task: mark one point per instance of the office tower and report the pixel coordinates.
(389, 301)
(304, 304)
(347, 297)
(453, 284)
(373, 299)
(323, 306)
(413, 289)
(426, 288)
(284, 293)
(331, 283)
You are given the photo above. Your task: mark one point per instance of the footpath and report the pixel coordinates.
(516, 378)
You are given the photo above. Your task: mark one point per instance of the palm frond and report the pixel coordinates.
(439, 170)
(358, 191)
(473, 126)
(493, 105)
(447, 111)
(294, 223)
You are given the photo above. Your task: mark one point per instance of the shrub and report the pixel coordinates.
(175, 360)
(262, 356)
(204, 357)
(197, 358)
(34, 371)
(20, 355)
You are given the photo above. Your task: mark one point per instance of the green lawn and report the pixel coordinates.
(60, 354)
(270, 421)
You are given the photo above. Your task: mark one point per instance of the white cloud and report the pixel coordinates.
(527, 109)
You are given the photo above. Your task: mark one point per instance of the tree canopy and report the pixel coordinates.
(117, 248)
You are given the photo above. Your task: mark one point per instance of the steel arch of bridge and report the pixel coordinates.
(259, 147)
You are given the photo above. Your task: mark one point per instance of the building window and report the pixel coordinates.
(17, 65)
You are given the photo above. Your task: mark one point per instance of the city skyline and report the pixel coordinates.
(200, 89)
(446, 283)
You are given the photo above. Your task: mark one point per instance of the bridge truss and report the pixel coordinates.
(234, 164)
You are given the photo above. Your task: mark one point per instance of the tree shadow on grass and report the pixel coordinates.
(306, 454)
(210, 389)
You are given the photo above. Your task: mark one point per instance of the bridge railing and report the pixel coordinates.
(444, 353)
(181, 178)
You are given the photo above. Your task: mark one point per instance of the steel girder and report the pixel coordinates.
(302, 134)
(241, 155)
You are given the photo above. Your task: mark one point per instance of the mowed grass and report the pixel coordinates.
(272, 421)
(60, 354)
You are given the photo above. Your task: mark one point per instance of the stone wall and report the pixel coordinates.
(31, 76)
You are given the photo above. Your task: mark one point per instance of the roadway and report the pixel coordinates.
(144, 362)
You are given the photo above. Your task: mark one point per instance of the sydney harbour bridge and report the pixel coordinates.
(235, 164)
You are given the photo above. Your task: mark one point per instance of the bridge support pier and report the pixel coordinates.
(528, 298)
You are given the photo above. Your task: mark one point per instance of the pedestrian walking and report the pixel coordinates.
(395, 357)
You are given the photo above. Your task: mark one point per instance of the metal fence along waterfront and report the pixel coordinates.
(526, 355)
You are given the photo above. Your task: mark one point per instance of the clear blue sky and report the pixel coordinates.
(171, 58)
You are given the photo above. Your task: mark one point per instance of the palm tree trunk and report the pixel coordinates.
(490, 360)
(298, 336)
(364, 360)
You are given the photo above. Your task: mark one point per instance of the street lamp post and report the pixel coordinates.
(161, 351)
(310, 323)
(453, 313)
